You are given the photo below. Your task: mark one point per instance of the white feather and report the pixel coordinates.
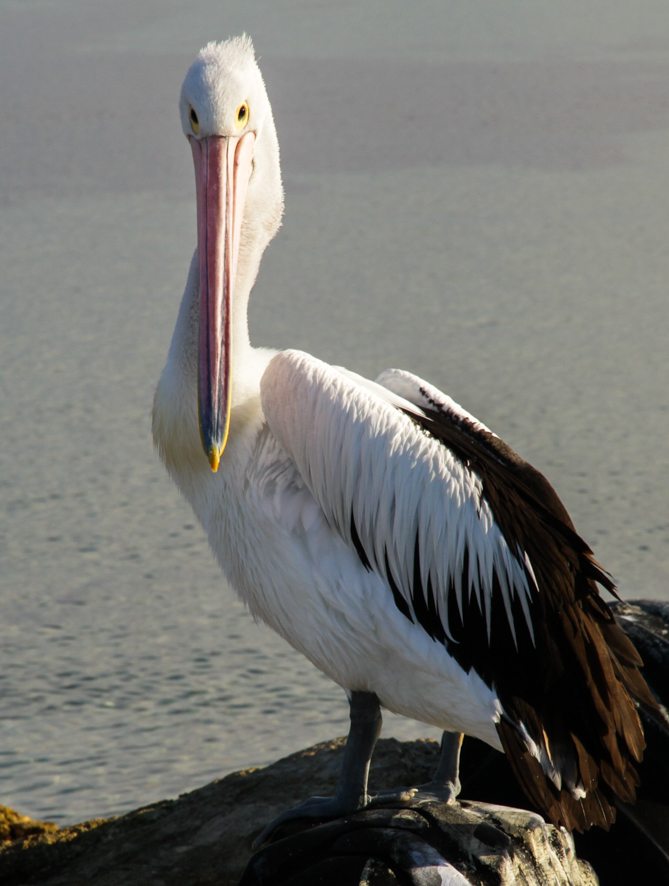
(365, 460)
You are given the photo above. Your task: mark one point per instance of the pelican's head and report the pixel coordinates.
(227, 118)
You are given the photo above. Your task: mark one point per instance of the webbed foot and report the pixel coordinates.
(432, 792)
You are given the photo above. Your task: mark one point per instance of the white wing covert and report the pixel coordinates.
(424, 395)
(413, 510)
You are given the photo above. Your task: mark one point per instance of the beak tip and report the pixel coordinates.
(213, 445)
(214, 458)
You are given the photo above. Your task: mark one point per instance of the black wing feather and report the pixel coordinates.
(570, 683)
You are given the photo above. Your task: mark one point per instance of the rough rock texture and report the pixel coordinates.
(430, 843)
(205, 836)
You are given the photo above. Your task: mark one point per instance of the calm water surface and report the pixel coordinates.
(478, 192)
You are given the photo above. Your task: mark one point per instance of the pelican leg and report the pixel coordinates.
(446, 779)
(351, 793)
(365, 713)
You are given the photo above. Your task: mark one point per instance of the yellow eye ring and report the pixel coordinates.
(194, 122)
(242, 115)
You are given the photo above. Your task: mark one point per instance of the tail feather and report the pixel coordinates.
(596, 743)
(561, 806)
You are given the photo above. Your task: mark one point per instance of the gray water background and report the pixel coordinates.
(477, 191)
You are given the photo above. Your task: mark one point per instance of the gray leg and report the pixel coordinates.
(364, 731)
(447, 776)
(351, 793)
(444, 786)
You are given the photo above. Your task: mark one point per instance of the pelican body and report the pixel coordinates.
(378, 527)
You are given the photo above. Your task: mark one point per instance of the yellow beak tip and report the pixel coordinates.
(215, 458)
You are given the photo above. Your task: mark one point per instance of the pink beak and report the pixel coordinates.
(223, 167)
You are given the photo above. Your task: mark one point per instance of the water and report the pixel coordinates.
(478, 192)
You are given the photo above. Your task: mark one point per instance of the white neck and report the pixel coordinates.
(175, 419)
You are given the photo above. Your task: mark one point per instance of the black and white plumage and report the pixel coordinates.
(379, 528)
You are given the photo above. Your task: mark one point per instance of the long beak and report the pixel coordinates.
(222, 170)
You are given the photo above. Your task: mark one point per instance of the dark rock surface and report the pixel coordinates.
(205, 836)
(430, 843)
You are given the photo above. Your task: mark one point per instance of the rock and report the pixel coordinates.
(205, 836)
(14, 826)
(429, 843)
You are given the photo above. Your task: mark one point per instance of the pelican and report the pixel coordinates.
(383, 531)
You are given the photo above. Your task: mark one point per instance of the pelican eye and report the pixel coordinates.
(194, 122)
(242, 115)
